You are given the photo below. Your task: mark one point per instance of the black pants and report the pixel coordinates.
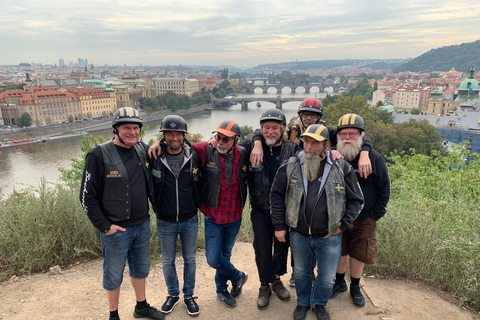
(268, 264)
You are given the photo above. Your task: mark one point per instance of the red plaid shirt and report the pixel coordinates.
(229, 207)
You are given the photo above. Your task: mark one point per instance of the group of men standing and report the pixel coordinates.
(302, 194)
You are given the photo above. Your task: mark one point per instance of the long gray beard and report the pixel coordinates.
(349, 151)
(311, 165)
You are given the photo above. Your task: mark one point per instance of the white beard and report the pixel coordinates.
(350, 151)
(311, 166)
(222, 149)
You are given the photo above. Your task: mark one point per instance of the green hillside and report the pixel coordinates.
(461, 57)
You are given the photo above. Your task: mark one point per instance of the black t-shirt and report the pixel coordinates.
(271, 156)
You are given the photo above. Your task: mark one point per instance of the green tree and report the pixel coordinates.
(375, 86)
(172, 103)
(246, 133)
(25, 120)
(415, 111)
(152, 103)
(225, 84)
(70, 118)
(221, 93)
(379, 103)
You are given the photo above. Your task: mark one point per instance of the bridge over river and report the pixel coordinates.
(278, 101)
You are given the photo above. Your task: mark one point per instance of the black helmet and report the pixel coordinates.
(173, 123)
(273, 115)
(126, 115)
(311, 105)
(228, 128)
(351, 120)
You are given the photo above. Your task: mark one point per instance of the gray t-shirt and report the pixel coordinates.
(175, 162)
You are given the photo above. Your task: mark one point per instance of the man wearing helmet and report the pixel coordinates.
(175, 184)
(360, 241)
(310, 112)
(223, 195)
(316, 198)
(276, 149)
(116, 185)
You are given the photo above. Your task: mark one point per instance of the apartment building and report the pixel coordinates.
(49, 106)
(406, 98)
(96, 102)
(177, 85)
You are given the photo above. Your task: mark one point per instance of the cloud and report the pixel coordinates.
(243, 33)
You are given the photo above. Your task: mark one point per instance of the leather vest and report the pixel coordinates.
(212, 175)
(116, 197)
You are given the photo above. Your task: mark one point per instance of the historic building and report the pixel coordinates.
(177, 85)
(50, 106)
(95, 102)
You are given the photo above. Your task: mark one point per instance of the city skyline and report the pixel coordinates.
(242, 34)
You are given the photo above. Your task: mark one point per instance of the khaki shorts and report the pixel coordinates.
(360, 241)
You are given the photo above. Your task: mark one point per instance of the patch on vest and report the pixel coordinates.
(339, 187)
(212, 164)
(113, 174)
(157, 173)
(293, 181)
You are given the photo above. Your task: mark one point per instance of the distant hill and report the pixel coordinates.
(461, 57)
(332, 64)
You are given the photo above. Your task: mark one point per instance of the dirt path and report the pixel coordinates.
(76, 293)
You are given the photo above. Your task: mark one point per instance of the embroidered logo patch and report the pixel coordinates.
(339, 187)
(113, 174)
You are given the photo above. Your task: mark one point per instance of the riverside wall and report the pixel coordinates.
(93, 125)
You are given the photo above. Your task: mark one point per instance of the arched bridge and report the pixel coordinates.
(333, 88)
(278, 102)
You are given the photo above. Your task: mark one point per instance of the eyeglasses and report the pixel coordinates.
(309, 115)
(224, 139)
(351, 135)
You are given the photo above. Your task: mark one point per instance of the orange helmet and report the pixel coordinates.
(228, 128)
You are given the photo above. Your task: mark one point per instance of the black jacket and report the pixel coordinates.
(176, 198)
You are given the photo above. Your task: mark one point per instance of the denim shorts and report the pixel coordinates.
(132, 245)
(360, 241)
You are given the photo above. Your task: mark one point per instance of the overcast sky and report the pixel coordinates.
(243, 33)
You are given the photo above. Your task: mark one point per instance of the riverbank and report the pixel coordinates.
(91, 125)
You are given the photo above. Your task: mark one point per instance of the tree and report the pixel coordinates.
(152, 103)
(172, 103)
(415, 111)
(375, 86)
(70, 118)
(246, 133)
(25, 120)
(221, 93)
(225, 84)
(379, 103)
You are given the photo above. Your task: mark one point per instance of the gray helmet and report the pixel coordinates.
(173, 123)
(273, 115)
(126, 115)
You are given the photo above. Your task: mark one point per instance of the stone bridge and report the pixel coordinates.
(333, 88)
(278, 102)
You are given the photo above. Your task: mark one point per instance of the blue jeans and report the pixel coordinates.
(132, 245)
(327, 252)
(168, 233)
(219, 241)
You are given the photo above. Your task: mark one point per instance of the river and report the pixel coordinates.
(25, 166)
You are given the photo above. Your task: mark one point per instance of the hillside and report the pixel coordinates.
(461, 57)
(332, 64)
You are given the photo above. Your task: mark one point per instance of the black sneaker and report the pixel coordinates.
(114, 318)
(300, 312)
(321, 313)
(237, 286)
(337, 288)
(169, 304)
(357, 296)
(149, 313)
(226, 298)
(192, 306)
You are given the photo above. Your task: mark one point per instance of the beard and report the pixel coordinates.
(270, 140)
(351, 150)
(311, 166)
(174, 146)
(222, 149)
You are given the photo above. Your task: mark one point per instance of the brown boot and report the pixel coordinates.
(280, 290)
(263, 296)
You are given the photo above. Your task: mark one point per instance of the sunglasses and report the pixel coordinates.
(224, 139)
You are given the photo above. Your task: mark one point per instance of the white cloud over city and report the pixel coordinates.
(241, 33)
